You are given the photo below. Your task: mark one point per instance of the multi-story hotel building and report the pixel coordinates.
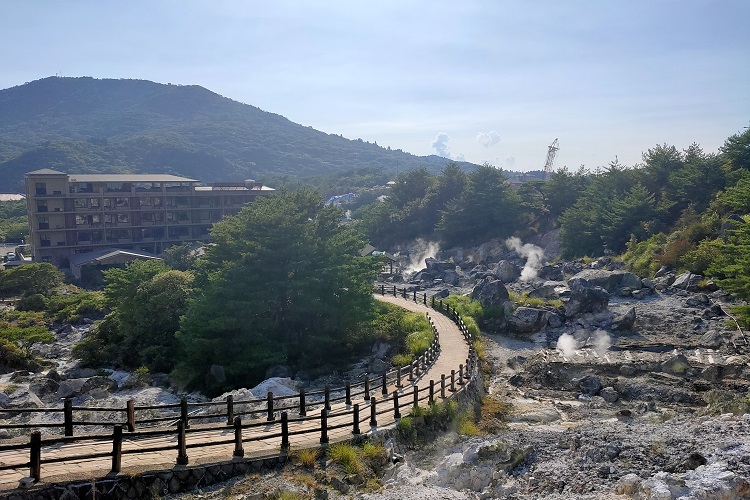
(71, 213)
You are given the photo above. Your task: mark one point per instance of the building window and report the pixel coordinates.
(80, 203)
(81, 220)
(44, 240)
(41, 188)
(41, 206)
(109, 218)
(122, 218)
(122, 202)
(96, 219)
(43, 222)
(95, 203)
(108, 203)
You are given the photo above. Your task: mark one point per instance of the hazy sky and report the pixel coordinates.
(489, 80)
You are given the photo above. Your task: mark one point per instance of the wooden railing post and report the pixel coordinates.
(415, 295)
(403, 293)
(302, 409)
(68, 414)
(269, 402)
(416, 395)
(284, 431)
(384, 390)
(239, 451)
(432, 391)
(453, 380)
(367, 388)
(373, 413)
(442, 385)
(230, 409)
(117, 449)
(355, 424)
(327, 396)
(184, 413)
(424, 299)
(130, 415)
(35, 456)
(432, 301)
(398, 377)
(394, 290)
(182, 457)
(396, 409)
(461, 374)
(411, 371)
(348, 390)
(323, 426)
(382, 289)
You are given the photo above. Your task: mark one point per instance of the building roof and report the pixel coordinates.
(103, 254)
(46, 171)
(128, 178)
(233, 188)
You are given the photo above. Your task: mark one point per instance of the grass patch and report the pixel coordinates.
(345, 455)
(306, 457)
(720, 401)
(523, 300)
(466, 425)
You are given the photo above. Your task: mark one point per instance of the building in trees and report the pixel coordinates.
(78, 213)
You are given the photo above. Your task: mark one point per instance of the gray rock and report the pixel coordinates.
(630, 280)
(676, 365)
(100, 383)
(441, 294)
(609, 394)
(687, 281)
(70, 387)
(506, 271)
(625, 321)
(640, 294)
(697, 300)
(528, 320)
(438, 266)
(647, 283)
(379, 366)
(712, 339)
(552, 272)
(585, 297)
(555, 320)
(590, 385)
(550, 290)
(451, 277)
(609, 280)
(44, 387)
(490, 293)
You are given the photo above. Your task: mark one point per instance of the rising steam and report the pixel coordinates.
(421, 250)
(534, 256)
(601, 342)
(566, 344)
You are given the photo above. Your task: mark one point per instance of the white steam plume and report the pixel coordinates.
(566, 344)
(488, 139)
(534, 257)
(601, 341)
(422, 249)
(440, 145)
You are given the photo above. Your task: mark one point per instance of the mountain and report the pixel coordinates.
(87, 125)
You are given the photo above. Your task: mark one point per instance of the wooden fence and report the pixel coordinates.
(306, 413)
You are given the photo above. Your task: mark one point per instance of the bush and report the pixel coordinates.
(35, 302)
(642, 256)
(307, 457)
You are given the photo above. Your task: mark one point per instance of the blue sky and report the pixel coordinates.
(489, 80)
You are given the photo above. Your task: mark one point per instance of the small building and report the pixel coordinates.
(88, 266)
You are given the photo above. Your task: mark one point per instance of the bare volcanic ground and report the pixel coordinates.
(659, 411)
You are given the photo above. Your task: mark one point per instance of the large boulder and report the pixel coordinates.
(625, 321)
(585, 298)
(435, 265)
(609, 280)
(490, 293)
(687, 281)
(550, 290)
(528, 320)
(506, 271)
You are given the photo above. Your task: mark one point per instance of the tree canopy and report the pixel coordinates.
(282, 283)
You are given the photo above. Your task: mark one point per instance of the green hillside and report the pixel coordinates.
(89, 125)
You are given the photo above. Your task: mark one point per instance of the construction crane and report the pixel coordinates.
(551, 153)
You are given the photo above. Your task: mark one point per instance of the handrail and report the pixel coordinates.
(359, 404)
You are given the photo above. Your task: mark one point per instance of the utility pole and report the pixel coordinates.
(551, 153)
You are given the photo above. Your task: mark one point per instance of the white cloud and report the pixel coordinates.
(510, 161)
(488, 139)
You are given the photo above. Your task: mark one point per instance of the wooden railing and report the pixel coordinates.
(184, 418)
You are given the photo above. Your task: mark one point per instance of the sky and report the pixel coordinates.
(477, 80)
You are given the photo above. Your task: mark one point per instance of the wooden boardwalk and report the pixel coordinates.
(89, 457)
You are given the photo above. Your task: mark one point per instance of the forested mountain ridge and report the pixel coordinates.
(110, 126)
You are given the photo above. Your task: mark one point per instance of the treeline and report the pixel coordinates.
(685, 210)
(14, 224)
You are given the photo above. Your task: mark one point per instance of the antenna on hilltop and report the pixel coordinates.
(551, 153)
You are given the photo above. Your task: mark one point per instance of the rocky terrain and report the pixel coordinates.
(618, 385)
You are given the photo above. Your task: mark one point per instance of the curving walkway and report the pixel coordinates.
(70, 462)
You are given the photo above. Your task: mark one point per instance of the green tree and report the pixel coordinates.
(30, 279)
(732, 265)
(283, 282)
(627, 215)
(486, 208)
(736, 151)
